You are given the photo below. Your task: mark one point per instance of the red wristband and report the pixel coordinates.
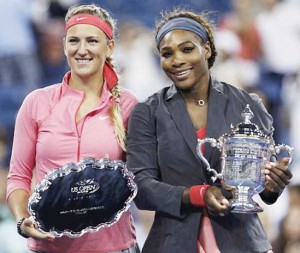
(197, 195)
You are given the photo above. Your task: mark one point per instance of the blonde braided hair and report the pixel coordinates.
(115, 110)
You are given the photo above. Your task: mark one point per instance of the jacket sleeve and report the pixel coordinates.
(24, 149)
(153, 194)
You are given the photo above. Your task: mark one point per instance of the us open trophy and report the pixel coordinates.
(244, 152)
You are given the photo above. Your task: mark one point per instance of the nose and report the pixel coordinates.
(177, 60)
(82, 49)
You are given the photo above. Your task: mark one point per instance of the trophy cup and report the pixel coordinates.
(82, 197)
(244, 152)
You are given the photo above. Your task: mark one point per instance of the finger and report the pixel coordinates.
(283, 172)
(41, 236)
(30, 228)
(220, 205)
(279, 180)
(283, 166)
(213, 212)
(272, 186)
(284, 161)
(267, 165)
(216, 202)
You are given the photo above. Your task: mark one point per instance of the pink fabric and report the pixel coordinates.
(47, 137)
(93, 20)
(206, 239)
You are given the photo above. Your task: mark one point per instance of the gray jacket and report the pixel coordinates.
(162, 154)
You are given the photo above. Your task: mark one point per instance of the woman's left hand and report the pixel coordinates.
(277, 175)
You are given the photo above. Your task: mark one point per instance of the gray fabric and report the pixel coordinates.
(161, 146)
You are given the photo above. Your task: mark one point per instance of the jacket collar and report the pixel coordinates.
(67, 90)
(216, 123)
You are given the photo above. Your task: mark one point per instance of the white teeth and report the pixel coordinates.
(83, 61)
(181, 73)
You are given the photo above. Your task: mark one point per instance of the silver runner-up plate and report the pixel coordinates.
(82, 197)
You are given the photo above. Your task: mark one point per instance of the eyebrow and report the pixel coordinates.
(179, 45)
(88, 37)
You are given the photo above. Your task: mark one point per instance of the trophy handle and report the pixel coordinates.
(214, 143)
(287, 148)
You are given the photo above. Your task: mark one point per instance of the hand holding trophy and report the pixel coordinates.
(245, 151)
(82, 197)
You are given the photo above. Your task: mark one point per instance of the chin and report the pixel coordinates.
(184, 87)
(83, 73)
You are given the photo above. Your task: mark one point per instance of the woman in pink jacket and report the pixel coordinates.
(83, 116)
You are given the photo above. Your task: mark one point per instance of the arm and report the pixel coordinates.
(157, 190)
(21, 167)
(17, 203)
(142, 160)
(214, 198)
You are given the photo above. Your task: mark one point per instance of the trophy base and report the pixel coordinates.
(246, 208)
(243, 202)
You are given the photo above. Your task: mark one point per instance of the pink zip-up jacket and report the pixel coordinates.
(47, 137)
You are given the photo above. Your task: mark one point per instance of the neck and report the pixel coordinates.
(200, 100)
(89, 85)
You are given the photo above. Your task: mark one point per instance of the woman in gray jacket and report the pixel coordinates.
(193, 213)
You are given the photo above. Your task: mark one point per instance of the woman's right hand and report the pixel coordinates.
(216, 203)
(29, 227)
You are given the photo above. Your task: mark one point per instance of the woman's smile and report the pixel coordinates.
(181, 74)
(83, 61)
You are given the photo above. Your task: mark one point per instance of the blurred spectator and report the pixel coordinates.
(279, 28)
(51, 51)
(140, 72)
(43, 10)
(229, 66)
(10, 240)
(240, 21)
(147, 11)
(242, 60)
(19, 63)
(50, 30)
(291, 91)
(288, 240)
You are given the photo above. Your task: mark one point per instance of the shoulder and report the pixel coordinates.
(150, 109)
(236, 94)
(43, 93)
(127, 101)
(40, 101)
(127, 96)
(238, 98)
(154, 101)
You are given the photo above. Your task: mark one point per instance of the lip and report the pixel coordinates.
(83, 61)
(181, 74)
